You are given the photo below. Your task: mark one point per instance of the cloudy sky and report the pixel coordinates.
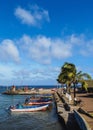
(38, 36)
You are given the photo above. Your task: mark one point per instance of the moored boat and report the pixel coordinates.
(38, 101)
(22, 108)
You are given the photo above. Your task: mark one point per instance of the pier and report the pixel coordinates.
(27, 91)
(75, 117)
(65, 114)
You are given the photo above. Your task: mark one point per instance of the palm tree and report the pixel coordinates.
(69, 75)
(81, 78)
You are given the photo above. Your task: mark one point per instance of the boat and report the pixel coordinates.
(38, 101)
(22, 108)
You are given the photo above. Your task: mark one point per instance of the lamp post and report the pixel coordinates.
(74, 91)
(75, 83)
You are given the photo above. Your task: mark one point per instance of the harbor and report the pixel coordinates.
(70, 115)
(46, 69)
(40, 120)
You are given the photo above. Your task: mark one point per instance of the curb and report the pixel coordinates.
(81, 121)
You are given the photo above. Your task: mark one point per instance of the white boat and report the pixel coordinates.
(28, 108)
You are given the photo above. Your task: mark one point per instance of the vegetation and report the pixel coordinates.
(90, 83)
(69, 76)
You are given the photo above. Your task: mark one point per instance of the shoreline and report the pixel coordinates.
(29, 92)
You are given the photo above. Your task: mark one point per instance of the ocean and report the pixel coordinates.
(46, 120)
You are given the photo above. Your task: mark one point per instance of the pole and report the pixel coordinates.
(74, 90)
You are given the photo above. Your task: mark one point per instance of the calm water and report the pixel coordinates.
(26, 121)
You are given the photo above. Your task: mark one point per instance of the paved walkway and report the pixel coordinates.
(86, 105)
(87, 101)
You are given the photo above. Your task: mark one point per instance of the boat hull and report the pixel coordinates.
(39, 103)
(29, 109)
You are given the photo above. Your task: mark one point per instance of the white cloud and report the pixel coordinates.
(76, 40)
(34, 17)
(60, 49)
(6, 70)
(25, 16)
(37, 48)
(32, 74)
(21, 74)
(87, 48)
(43, 49)
(81, 45)
(8, 51)
(40, 49)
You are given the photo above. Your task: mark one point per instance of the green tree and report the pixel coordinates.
(82, 77)
(69, 75)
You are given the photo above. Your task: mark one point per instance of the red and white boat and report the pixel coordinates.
(39, 103)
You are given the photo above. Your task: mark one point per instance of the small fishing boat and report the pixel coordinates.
(22, 108)
(38, 101)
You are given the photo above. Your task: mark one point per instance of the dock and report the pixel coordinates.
(67, 111)
(65, 114)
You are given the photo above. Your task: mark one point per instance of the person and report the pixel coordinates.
(64, 90)
(27, 100)
(77, 101)
(19, 106)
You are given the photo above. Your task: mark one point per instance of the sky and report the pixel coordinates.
(38, 36)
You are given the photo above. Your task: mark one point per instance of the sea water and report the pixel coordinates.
(46, 120)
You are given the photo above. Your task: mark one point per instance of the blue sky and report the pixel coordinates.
(38, 36)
